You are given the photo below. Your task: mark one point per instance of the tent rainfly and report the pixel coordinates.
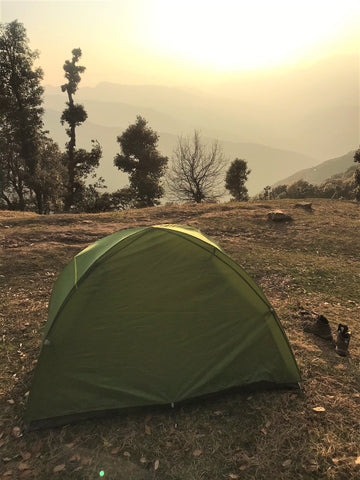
(153, 315)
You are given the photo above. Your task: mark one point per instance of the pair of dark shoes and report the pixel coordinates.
(321, 328)
(342, 340)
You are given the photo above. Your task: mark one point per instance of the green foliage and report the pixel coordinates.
(92, 201)
(12, 172)
(49, 177)
(279, 192)
(357, 155)
(235, 179)
(79, 163)
(357, 184)
(339, 186)
(357, 175)
(73, 115)
(141, 159)
(300, 189)
(21, 125)
(196, 171)
(72, 73)
(266, 195)
(20, 89)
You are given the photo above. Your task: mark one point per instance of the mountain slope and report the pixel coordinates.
(313, 109)
(321, 172)
(265, 162)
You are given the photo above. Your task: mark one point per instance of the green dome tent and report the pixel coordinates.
(153, 315)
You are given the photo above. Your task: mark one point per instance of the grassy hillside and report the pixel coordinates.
(311, 263)
(321, 172)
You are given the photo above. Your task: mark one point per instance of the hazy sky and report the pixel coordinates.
(183, 41)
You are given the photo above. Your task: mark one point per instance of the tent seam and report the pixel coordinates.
(266, 302)
(260, 295)
(108, 253)
(75, 273)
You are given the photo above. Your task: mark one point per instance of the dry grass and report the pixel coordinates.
(312, 263)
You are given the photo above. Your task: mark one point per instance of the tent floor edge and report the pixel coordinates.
(55, 422)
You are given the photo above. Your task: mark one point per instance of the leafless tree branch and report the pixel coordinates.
(196, 173)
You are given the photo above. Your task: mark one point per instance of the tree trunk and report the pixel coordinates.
(39, 202)
(69, 198)
(20, 193)
(8, 201)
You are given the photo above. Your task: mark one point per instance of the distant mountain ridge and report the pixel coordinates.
(279, 122)
(312, 110)
(321, 172)
(265, 162)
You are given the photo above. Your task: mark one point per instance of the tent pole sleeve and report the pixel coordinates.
(75, 273)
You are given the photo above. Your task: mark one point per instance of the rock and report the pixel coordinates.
(279, 216)
(304, 205)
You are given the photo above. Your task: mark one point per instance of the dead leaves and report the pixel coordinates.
(146, 421)
(197, 453)
(148, 418)
(75, 458)
(16, 432)
(106, 442)
(342, 460)
(25, 455)
(319, 409)
(59, 468)
(313, 466)
(86, 461)
(69, 445)
(264, 430)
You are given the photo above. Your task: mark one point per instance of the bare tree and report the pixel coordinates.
(196, 172)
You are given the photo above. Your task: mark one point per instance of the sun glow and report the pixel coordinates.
(237, 34)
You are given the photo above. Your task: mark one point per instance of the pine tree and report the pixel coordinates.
(21, 112)
(141, 159)
(235, 180)
(78, 162)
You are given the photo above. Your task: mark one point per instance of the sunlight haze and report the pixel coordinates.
(234, 34)
(276, 82)
(183, 42)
